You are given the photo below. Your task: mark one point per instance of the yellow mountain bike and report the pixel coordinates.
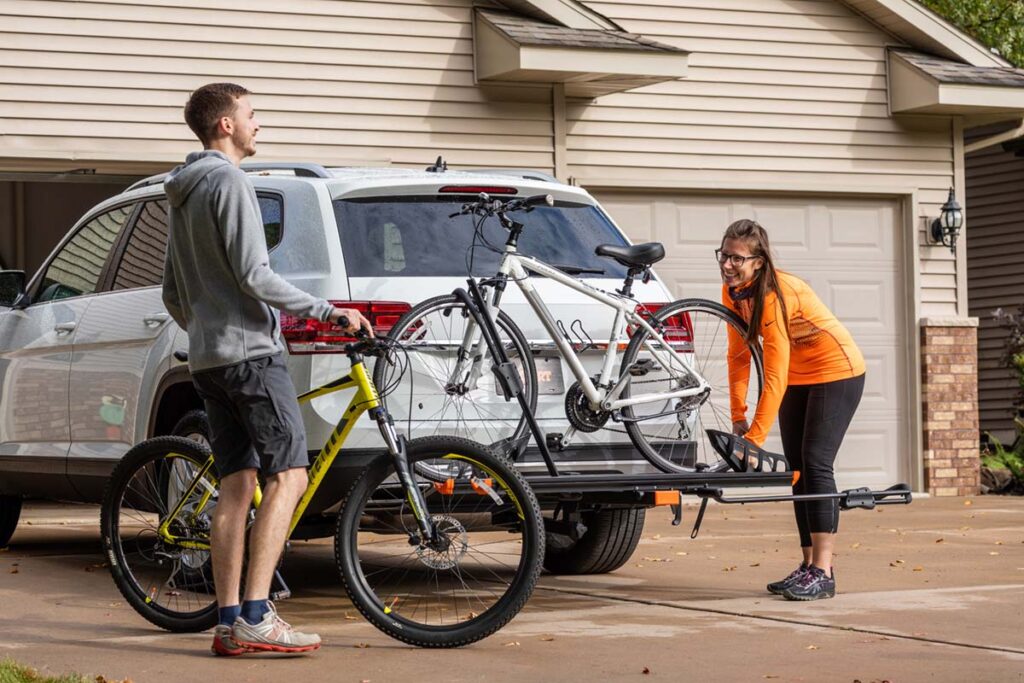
(432, 561)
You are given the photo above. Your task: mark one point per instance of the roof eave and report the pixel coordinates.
(914, 92)
(586, 72)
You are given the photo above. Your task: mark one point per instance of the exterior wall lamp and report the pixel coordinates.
(946, 227)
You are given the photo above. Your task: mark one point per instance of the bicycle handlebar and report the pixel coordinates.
(489, 207)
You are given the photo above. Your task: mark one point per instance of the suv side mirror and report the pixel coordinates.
(12, 286)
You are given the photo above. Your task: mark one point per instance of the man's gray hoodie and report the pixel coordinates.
(218, 284)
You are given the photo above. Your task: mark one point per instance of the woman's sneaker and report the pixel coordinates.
(273, 634)
(779, 587)
(813, 585)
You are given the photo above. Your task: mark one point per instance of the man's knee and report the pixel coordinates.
(293, 480)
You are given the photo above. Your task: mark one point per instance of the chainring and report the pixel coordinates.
(579, 412)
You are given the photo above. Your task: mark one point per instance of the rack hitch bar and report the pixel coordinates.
(850, 499)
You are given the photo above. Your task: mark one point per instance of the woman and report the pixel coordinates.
(813, 381)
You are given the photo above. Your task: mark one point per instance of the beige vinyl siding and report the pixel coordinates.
(778, 91)
(995, 267)
(336, 81)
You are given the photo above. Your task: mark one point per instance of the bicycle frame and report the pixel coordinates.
(517, 267)
(366, 399)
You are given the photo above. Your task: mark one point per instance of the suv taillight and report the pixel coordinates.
(312, 336)
(678, 329)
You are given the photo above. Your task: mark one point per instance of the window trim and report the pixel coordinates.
(32, 290)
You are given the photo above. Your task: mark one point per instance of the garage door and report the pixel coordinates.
(849, 252)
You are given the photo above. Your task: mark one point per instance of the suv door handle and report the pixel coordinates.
(65, 328)
(154, 319)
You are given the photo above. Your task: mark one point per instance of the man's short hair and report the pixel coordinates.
(207, 105)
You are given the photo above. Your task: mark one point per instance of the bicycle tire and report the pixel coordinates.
(491, 419)
(695, 453)
(132, 505)
(391, 591)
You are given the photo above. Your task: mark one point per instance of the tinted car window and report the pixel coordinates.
(410, 237)
(76, 268)
(270, 208)
(142, 264)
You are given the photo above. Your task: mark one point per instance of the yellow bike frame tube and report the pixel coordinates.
(163, 531)
(366, 398)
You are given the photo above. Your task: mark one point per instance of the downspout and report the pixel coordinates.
(558, 121)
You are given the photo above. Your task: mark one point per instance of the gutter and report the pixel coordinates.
(1006, 136)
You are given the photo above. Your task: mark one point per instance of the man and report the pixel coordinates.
(219, 287)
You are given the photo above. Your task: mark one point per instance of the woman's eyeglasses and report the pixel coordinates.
(735, 260)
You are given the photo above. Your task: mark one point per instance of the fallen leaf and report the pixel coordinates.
(968, 502)
(512, 643)
(14, 570)
(656, 536)
(993, 553)
(812, 647)
(899, 562)
(770, 676)
(729, 569)
(682, 552)
(350, 617)
(362, 646)
(940, 540)
(918, 569)
(855, 546)
(999, 542)
(712, 557)
(646, 670)
(548, 639)
(638, 566)
(756, 564)
(656, 559)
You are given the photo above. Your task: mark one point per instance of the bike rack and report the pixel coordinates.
(644, 489)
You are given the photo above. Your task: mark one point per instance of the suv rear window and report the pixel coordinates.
(410, 237)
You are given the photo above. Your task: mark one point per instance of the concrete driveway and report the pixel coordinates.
(928, 592)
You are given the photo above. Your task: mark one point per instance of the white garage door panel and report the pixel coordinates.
(847, 250)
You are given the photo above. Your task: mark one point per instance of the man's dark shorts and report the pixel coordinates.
(254, 416)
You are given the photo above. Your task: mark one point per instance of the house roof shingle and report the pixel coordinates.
(528, 31)
(947, 71)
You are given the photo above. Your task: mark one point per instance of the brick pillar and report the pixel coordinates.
(949, 391)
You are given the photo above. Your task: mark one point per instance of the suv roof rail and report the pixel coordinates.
(303, 169)
(151, 180)
(526, 173)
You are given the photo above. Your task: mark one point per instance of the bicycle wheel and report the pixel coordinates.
(169, 585)
(670, 433)
(426, 400)
(478, 573)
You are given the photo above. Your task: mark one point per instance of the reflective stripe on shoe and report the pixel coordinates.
(273, 634)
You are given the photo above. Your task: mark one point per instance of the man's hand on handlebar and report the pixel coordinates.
(350, 320)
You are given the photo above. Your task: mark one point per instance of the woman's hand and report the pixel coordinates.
(740, 428)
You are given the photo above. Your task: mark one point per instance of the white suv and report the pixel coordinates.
(87, 364)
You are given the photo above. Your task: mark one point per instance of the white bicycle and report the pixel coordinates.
(669, 385)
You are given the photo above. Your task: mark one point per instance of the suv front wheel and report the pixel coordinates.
(10, 512)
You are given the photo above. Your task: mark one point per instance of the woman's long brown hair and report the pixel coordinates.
(766, 280)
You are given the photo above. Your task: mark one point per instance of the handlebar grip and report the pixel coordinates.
(538, 199)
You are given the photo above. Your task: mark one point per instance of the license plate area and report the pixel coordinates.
(549, 374)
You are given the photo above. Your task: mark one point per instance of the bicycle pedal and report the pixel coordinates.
(284, 592)
(554, 440)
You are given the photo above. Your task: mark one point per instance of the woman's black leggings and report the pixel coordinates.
(813, 419)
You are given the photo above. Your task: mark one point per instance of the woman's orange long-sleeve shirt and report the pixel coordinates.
(817, 349)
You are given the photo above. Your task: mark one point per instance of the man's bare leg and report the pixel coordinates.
(281, 495)
(227, 534)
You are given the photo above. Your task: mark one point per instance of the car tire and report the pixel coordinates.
(10, 512)
(193, 425)
(611, 537)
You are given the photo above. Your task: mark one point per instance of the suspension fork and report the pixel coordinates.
(400, 457)
(472, 352)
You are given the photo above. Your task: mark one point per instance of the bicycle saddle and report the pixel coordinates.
(638, 255)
